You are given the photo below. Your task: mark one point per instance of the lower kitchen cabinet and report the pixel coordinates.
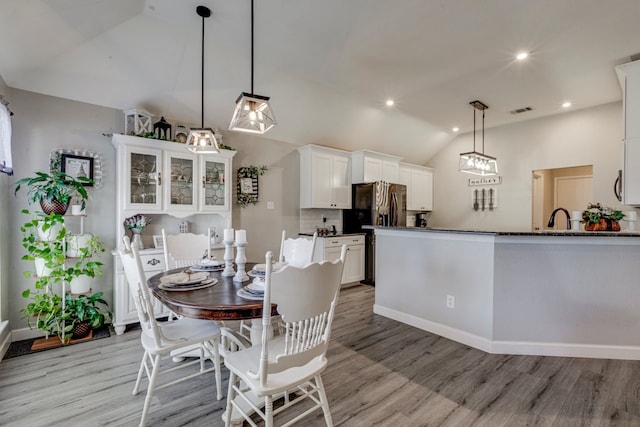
(125, 309)
(328, 248)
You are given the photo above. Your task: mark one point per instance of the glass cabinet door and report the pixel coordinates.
(182, 176)
(214, 195)
(143, 180)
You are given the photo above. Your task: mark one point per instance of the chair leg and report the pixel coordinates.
(136, 388)
(152, 384)
(268, 411)
(216, 364)
(230, 396)
(324, 402)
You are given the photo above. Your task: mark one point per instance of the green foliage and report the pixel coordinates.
(595, 212)
(54, 186)
(46, 312)
(251, 171)
(84, 309)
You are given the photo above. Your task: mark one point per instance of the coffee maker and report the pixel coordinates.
(421, 219)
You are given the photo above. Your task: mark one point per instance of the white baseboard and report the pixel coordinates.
(454, 334)
(5, 338)
(513, 347)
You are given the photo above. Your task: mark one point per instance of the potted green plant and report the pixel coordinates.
(82, 247)
(43, 238)
(601, 218)
(45, 313)
(85, 313)
(53, 191)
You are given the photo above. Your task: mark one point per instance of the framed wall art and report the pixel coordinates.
(56, 164)
(77, 166)
(248, 184)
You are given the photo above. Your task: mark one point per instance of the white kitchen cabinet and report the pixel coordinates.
(629, 77)
(369, 166)
(125, 309)
(419, 182)
(163, 177)
(329, 248)
(325, 178)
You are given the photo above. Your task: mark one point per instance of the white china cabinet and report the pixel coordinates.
(164, 178)
(325, 178)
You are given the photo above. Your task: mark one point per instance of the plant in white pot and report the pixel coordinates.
(43, 238)
(81, 252)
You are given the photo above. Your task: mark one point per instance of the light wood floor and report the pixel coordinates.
(381, 373)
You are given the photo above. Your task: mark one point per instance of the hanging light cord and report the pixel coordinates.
(202, 79)
(482, 131)
(251, 47)
(474, 129)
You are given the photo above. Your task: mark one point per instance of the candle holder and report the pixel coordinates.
(228, 259)
(241, 260)
(575, 225)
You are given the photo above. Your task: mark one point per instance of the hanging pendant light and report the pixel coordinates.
(202, 140)
(473, 162)
(253, 112)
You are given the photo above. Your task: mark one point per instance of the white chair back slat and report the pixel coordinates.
(185, 249)
(297, 252)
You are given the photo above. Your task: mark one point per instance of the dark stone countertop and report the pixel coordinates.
(544, 233)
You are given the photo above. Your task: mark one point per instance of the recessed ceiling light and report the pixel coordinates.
(456, 129)
(522, 56)
(566, 104)
(389, 102)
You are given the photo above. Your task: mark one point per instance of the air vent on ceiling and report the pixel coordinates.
(521, 110)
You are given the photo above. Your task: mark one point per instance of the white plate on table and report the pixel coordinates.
(262, 268)
(242, 292)
(184, 278)
(187, 287)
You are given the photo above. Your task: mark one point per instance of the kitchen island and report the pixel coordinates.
(537, 293)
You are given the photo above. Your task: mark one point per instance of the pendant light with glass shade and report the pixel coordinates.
(473, 162)
(253, 112)
(202, 140)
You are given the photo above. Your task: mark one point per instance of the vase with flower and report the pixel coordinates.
(136, 224)
(601, 218)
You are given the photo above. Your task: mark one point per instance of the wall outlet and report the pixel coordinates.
(451, 301)
(270, 205)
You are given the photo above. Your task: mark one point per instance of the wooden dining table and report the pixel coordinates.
(217, 302)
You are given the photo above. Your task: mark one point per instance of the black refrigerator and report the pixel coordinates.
(379, 204)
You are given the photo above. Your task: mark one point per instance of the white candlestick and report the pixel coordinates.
(576, 215)
(228, 258)
(241, 236)
(630, 215)
(241, 260)
(228, 234)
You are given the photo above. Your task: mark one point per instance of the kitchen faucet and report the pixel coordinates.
(552, 219)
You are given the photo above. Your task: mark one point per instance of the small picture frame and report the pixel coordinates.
(77, 166)
(246, 185)
(158, 243)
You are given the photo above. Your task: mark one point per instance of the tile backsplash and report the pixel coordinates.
(310, 219)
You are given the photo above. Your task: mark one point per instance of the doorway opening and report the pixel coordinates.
(570, 188)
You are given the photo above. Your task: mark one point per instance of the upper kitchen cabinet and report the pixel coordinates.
(325, 178)
(419, 182)
(369, 166)
(629, 77)
(163, 177)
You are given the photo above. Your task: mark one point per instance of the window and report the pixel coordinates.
(6, 162)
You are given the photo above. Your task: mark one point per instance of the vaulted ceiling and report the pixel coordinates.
(328, 65)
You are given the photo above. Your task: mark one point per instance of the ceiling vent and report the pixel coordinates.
(521, 110)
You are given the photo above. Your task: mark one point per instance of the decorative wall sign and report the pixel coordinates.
(56, 163)
(248, 184)
(488, 180)
(483, 199)
(77, 167)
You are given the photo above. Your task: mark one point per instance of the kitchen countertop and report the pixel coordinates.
(332, 235)
(561, 233)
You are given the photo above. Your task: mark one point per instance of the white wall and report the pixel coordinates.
(585, 137)
(5, 259)
(42, 124)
